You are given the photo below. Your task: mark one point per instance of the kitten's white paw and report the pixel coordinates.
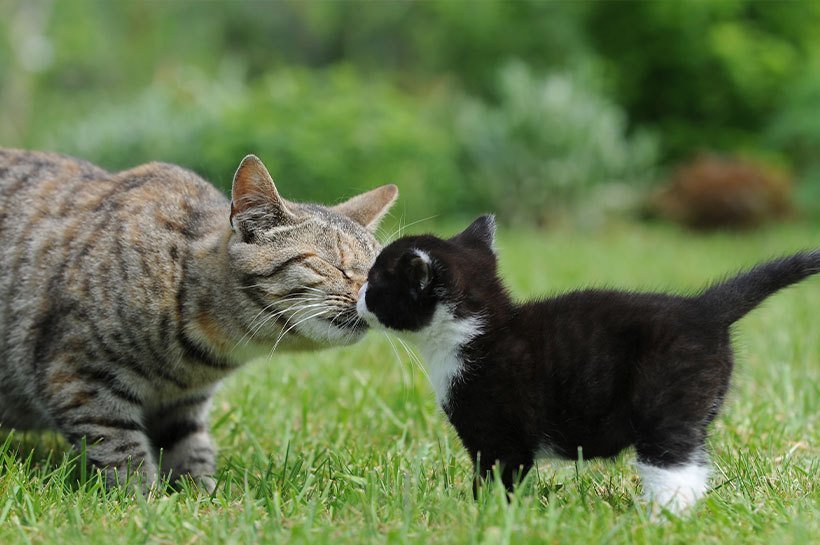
(674, 488)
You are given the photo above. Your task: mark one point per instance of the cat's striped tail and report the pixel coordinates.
(730, 300)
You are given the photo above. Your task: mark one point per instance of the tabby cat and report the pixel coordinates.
(123, 297)
(588, 372)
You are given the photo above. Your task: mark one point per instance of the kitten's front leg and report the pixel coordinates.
(512, 468)
(180, 429)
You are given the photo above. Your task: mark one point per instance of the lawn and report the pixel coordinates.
(347, 445)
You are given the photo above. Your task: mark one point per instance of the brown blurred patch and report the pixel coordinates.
(713, 192)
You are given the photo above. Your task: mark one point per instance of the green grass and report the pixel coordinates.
(347, 445)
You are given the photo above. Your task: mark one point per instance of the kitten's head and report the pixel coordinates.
(301, 265)
(423, 282)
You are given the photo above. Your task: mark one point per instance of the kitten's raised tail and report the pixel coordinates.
(730, 300)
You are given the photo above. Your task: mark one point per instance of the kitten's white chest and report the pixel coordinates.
(440, 345)
(443, 367)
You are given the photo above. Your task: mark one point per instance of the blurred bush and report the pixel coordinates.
(549, 143)
(340, 96)
(323, 134)
(706, 75)
(715, 192)
(795, 131)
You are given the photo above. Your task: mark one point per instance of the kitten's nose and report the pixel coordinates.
(362, 291)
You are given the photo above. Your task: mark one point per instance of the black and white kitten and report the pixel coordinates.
(594, 371)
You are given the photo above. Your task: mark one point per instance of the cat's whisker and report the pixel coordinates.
(294, 308)
(401, 229)
(286, 331)
(348, 326)
(277, 302)
(252, 330)
(391, 237)
(381, 230)
(346, 333)
(309, 289)
(255, 328)
(252, 286)
(248, 333)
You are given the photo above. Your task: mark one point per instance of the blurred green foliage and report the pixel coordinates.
(323, 134)
(706, 75)
(549, 141)
(525, 107)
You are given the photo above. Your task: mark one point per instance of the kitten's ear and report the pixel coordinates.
(369, 208)
(481, 231)
(254, 196)
(420, 270)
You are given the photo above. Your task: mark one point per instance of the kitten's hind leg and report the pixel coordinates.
(95, 411)
(180, 429)
(674, 485)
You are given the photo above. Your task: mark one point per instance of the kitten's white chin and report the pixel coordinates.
(364, 313)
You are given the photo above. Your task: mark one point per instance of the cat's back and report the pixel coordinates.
(78, 239)
(34, 177)
(40, 186)
(52, 206)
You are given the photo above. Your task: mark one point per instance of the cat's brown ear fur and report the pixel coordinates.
(369, 208)
(253, 188)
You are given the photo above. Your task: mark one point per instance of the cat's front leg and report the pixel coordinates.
(103, 418)
(180, 429)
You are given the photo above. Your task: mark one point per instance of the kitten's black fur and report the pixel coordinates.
(597, 370)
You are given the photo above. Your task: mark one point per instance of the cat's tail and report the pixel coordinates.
(730, 300)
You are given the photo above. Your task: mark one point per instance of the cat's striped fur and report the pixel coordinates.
(124, 296)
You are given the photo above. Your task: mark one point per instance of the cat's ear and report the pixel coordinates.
(481, 232)
(254, 197)
(369, 208)
(419, 270)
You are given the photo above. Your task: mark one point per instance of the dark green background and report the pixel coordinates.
(526, 108)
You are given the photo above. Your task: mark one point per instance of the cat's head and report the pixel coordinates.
(301, 265)
(424, 284)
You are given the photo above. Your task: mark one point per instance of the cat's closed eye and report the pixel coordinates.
(347, 273)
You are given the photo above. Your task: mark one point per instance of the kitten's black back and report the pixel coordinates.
(599, 370)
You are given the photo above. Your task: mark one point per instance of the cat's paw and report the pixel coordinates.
(205, 483)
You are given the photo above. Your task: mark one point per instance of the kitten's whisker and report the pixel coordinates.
(401, 362)
(415, 358)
